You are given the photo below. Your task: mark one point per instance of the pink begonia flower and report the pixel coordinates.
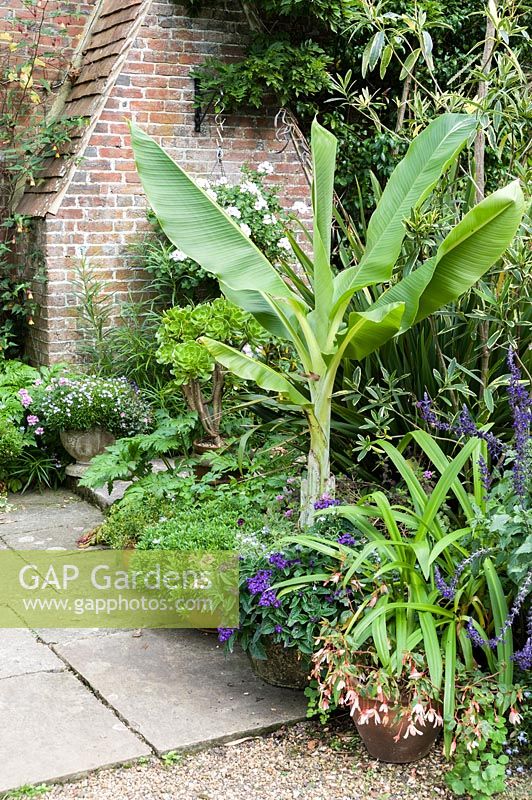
(514, 717)
(39, 431)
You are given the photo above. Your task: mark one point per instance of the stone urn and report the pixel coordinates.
(385, 741)
(283, 666)
(84, 445)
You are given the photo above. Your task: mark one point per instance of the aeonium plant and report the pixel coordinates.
(82, 403)
(193, 367)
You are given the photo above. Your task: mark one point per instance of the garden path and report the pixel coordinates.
(74, 700)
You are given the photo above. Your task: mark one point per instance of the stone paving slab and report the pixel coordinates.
(49, 520)
(73, 700)
(179, 689)
(22, 654)
(54, 728)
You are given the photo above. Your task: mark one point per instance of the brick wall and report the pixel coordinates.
(104, 209)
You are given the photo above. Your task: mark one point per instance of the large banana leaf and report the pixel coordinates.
(472, 247)
(249, 369)
(428, 157)
(323, 161)
(201, 229)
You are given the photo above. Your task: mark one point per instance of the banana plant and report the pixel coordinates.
(310, 305)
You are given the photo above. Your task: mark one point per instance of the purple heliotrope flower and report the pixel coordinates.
(224, 634)
(325, 501)
(346, 539)
(259, 582)
(269, 598)
(278, 560)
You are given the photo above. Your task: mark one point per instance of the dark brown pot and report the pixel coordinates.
(283, 666)
(379, 739)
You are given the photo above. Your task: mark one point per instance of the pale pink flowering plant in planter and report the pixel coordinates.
(397, 711)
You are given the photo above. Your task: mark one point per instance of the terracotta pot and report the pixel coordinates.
(84, 445)
(283, 666)
(379, 739)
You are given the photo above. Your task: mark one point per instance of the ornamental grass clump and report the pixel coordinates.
(80, 404)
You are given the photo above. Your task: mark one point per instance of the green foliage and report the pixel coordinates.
(174, 279)
(505, 524)
(11, 444)
(181, 327)
(218, 524)
(40, 460)
(30, 54)
(479, 763)
(130, 458)
(408, 553)
(192, 364)
(293, 73)
(84, 403)
(295, 620)
(334, 316)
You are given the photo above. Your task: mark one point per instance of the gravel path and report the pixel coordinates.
(306, 762)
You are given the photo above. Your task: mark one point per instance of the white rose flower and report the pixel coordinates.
(178, 255)
(269, 219)
(299, 207)
(265, 168)
(245, 228)
(233, 211)
(212, 194)
(260, 203)
(284, 243)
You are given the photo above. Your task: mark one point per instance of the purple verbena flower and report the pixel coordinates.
(278, 629)
(278, 560)
(428, 475)
(240, 521)
(259, 582)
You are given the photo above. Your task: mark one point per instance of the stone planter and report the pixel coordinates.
(84, 445)
(283, 666)
(379, 739)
